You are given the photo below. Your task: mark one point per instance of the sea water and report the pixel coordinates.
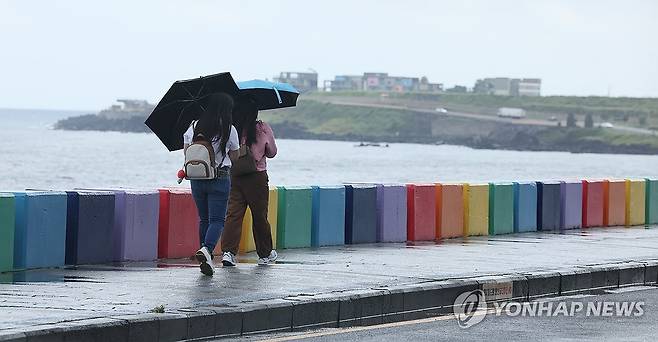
(34, 155)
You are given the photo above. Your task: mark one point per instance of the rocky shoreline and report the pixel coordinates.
(500, 137)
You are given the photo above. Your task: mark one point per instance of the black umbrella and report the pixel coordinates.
(183, 103)
(269, 95)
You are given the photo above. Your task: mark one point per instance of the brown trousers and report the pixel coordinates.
(248, 190)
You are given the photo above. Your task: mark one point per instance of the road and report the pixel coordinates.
(505, 328)
(366, 102)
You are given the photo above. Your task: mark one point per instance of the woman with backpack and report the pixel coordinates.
(250, 187)
(210, 143)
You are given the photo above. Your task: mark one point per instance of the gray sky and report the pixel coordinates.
(85, 54)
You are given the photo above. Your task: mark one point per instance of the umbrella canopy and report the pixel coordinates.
(183, 103)
(269, 95)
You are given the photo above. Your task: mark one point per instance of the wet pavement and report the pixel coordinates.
(55, 295)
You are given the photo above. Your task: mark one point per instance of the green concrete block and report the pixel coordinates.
(651, 202)
(501, 208)
(7, 227)
(294, 222)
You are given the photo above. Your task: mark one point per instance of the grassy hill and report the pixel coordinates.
(317, 120)
(638, 112)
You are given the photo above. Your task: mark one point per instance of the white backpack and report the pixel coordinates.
(200, 160)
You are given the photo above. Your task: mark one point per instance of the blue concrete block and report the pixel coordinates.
(360, 214)
(89, 227)
(525, 207)
(40, 235)
(548, 205)
(328, 222)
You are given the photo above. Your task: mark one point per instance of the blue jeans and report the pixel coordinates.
(211, 198)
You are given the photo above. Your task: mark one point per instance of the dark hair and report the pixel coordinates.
(245, 115)
(215, 121)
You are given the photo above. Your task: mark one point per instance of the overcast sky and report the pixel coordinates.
(85, 54)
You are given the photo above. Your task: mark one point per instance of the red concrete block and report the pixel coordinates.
(614, 211)
(450, 210)
(178, 227)
(593, 203)
(421, 212)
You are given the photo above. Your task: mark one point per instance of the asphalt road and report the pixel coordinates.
(366, 102)
(505, 328)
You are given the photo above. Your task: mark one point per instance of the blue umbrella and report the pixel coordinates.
(269, 95)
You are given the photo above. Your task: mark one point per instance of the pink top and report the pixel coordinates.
(264, 147)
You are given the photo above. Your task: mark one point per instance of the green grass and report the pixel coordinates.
(609, 108)
(324, 118)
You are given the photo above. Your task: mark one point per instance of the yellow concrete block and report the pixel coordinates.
(247, 238)
(272, 213)
(476, 209)
(635, 202)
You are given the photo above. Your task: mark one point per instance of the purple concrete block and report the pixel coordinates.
(391, 213)
(571, 204)
(135, 230)
(136, 225)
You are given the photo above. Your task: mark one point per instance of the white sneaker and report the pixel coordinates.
(229, 259)
(268, 260)
(205, 259)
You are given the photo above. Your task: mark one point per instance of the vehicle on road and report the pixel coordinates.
(513, 113)
(441, 110)
(606, 125)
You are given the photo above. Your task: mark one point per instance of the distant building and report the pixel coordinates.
(382, 82)
(303, 81)
(527, 87)
(504, 86)
(345, 83)
(127, 109)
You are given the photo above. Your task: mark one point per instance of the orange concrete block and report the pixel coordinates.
(450, 210)
(614, 202)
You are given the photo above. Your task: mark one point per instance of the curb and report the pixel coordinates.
(343, 309)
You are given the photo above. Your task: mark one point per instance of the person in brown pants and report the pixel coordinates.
(251, 189)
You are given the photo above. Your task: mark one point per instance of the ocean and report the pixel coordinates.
(33, 155)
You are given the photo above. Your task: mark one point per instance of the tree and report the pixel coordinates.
(571, 120)
(589, 121)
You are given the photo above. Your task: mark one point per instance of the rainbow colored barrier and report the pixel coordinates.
(421, 212)
(635, 202)
(40, 229)
(50, 228)
(651, 211)
(360, 213)
(294, 217)
(525, 207)
(593, 203)
(476, 209)
(571, 205)
(247, 243)
(90, 227)
(328, 222)
(7, 227)
(614, 212)
(178, 232)
(548, 205)
(391, 213)
(501, 208)
(450, 210)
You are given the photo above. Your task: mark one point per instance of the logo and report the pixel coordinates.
(470, 308)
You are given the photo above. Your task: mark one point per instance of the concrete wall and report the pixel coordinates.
(50, 228)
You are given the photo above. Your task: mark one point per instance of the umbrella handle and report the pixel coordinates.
(278, 96)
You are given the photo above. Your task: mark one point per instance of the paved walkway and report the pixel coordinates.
(56, 295)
